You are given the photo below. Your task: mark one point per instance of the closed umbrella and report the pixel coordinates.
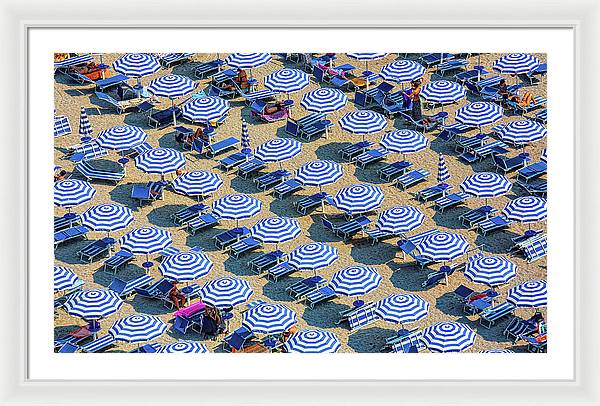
(85, 127)
(245, 139)
(443, 173)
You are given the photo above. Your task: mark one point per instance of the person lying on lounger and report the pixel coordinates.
(273, 108)
(60, 175)
(176, 296)
(241, 80)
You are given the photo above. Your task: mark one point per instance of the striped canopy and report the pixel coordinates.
(443, 173)
(363, 122)
(527, 209)
(269, 318)
(121, 137)
(319, 173)
(93, 304)
(85, 127)
(324, 100)
(443, 246)
(448, 336)
(528, 294)
(74, 60)
(366, 56)
(490, 270)
(312, 341)
(313, 256)
(400, 219)
(523, 131)
(225, 292)
(355, 280)
(245, 138)
(136, 65)
(160, 160)
(479, 113)
(72, 192)
(278, 149)
(146, 240)
(137, 328)
(443, 91)
(497, 351)
(544, 155)
(184, 346)
(197, 183)
(404, 141)
(359, 198)
(486, 184)
(237, 206)
(171, 86)
(64, 278)
(287, 80)
(516, 63)
(402, 308)
(402, 71)
(247, 60)
(276, 229)
(185, 266)
(205, 109)
(107, 217)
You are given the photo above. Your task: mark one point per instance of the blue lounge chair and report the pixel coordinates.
(250, 168)
(207, 69)
(298, 290)
(202, 222)
(535, 346)
(257, 109)
(269, 180)
(432, 192)
(118, 260)
(61, 223)
(541, 70)
(349, 152)
(541, 116)
(226, 238)
(453, 64)
(100, 344)
(310, 202)
(243, 246)
(518, 327)
(425, 124)
(219, 147)
(349, 228)
(61, 126)
(150, 192)
(280, 270)
(295, 127)
(320, 295)
(163, 118)
(169, 59)
(392, 171)
(435, 58)
(158, 290)
(126, 288)
(449, 132)
(266, 261)
(470, 74)
(532, 171)
(257, 96)
(484, 151)
(97, 248)
(91, 173)
(495, 223)
(236, 340)
(506, 165)
(70, 234)
(233, 160)
(537, 187)
(286, 188)
(68, 348)
(138, 150)
(412, 178)
(362, 317)
(490, 316)
(538, 102)
(370, 157)
(183, 216)
(536, 250)
(468, 143)
(475, 216)
(87, 151)
(120, 105)
(451, 200)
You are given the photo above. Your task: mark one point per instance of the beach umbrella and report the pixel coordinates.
(400, 219)
(402, 308)
(248, 60)
(312, 341)
(146, 240)
(278, 149)
(136, 66)
(107, 217)
(72, 192)
(245, 139)
(366, 56)
(205, 109)
(160, 160)
(442, 92)
(172, 86)
(523, 131)
(197, 183)
(448, 336)
(275, 230)
(486, 185)
(516, 63)
(236, 207)
(490, 270)
(184, 346)
(527, 209)
(443, 246)
(359, 198)
(324, 100)
(363, 122)
(402, 71)
(287, 80)
(121, 137)
(355, 280)
(544, 155)
(319, 173)
(225, 292)
(93, 304)
(443, 173)
(497, 351)
(137, 328)
(74, 61)
(313, 256)
(185, 266)
(269, 318)
(404, 141)
(64, 278)
(528, 294)
(85, 127)
(479, 114)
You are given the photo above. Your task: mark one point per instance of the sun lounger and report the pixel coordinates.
(250, 168)
(266, 261)
(376, 235)
(468, 143)
(320, 295)
(183, 216)
(158, 290)
(362, 317)
(243, 246)
(87, 151)
(449, 132)
(207, 69)
(298, 290)
(536, 187)
(73, 60)
(453, 64)
(349, 228)
(219, 147)
(490, 316)
(536, 344)
(126, 288)
(451, 200)
(68, 348)
(226, 238)
(391, 171)
(262, 96)
(150, 192)
(119, 259)
(61, 223)
(518, 327)
(70, 234)
(370, 157)
(269, 180)
(538, 102)
(482, 152)
(61, 126)
(91, 251)
(506, 165)
(536, 250)
(541, 116)
(295, 127)
(120, 105)
(169, 59)
(310, 202)
(476, 85)
(426, 124)
(470, 75)
(349, 152)
(532, 171)
(138, 150)
(91, 173)
(163, 118)
(280, 270)
(202, 222)
(233, 161)
(408, 246)
(257, 109)
(463, 293)
(412, 178)
(215, 91)
(404, 341)
(366, 98)
(435, 58)
(432, 192)
(436, 277)
(540, 70)
(495, 223)
(100, 344)
(475, 216)
(75, 337)
(286, 188)
(235, 341)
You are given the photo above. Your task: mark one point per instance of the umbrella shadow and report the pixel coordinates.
(238, 267)
(161, 216)
(499, 242)
(449, 218)
(368, 175)
(122, 194)
(276, 290)
(317, 231)
(168, 141)
(448, 304)
(408, 279)
(377, 254)
(246, 186)
(283, 208)
(204, 239)
(323, 315)
(149, 306)
(494, 333)
(185, 68)
(370, 340)
(330, 151)
(67, 252)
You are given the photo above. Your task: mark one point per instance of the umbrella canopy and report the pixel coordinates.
(516, 63)
(146, 240)
(269, 318)
(324, 100)
(312, 341)
(355, 280)
(402, 71)
(185, 266)
(85, 127)
(287, 80)
(313, 256)
(479, 113)
(366, 56)
(247, 60)
(93, 304)
(237, 206)
(278, 149)
(527, 209)
(137, 328)
(363, 122)
(184, 346)
(197, 183)
(404, 141)
(443, 173)
(497, 351)
(160, 160)
(400, 219)
(121, 137)
(402, 309)
(443, 246)
(443, 91)
(205, 109)
(225, 292)
(72, 192)
(360, 198)
(486, 184)
(319, 173)
(448, 336)
(171, 86)
(245, 138)
(523, 131)
(136, 65)
(491, 270)
(544, 155)
(64, 278)
(275, 230)
(528, 294)
(107, 217)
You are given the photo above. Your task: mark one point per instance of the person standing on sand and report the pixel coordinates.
(416, 112)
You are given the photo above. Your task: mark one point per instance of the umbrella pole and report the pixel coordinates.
(138, 90)
(174, 116)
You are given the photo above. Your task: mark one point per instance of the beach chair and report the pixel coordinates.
(126, 288)
(100, 344)
(541, 116)
(296, 127)
(235, 341)
(121, 105)
(435, 58)
(451, 200)
(280, 270)
(449, 132)
(320, 295)
(391, 171)
(475, 216)
(243, 246)
(371, 157)
(61, 126)
(495, 223)
(540, 70)
(91, 173)
(233, 161)
(464, 144)
(463, 293)
(362, 317)
(219, 147)
(506, 165)
(168, 251)
(263, 96)
(409, 248)
(250, 168)
(435, 277)
(226, 238)
(376, 235)
(537, 187)
(537, 344)
(286, 188)
(86, 152)
(270, 179)
(298, 290)
(118, 260)
(61, 223)
(405, 341)
(202, 222)
(310, 203)
(484, 151)
(74, 337)
(453, 64)
(344, 315)
(432, 192)
(518, 327)
(183, 216)
(538, 102)
(70, 234)
(68, 348)
(169, 59)
(476, 84)
(412, 178)
(91, 251)
(207, 69)
(349, 152)
(470, 74)
(425, 124)
(158, 290)
(532, 171)
(163, 118)
(490, 316)
(138, 150)
(536, 250)
(257, 109)
(266, 260)
(150, 192)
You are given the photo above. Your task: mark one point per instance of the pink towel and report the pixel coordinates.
(190, 310)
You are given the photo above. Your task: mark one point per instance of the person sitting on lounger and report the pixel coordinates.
(87, 68)
(241, 80)
(213, 322)
(503, 89)
(525, 100)
(176, 296)
(273, 108)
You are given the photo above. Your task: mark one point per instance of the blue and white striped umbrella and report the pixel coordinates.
(269, 318)
(74, 60)
(479, 113)
(205, 109)
(448, 336)
(355, 280)
(121, 137)
(197, 183)
(366, 56)
(137, 328)
(225, 292)
(319, 173)
(312, 342)
(146, 240)
(402, 71)
(278, 149)
(171, 86)
(324, 100)
(93, 304)
(313, 256)
(523, 131)
(160, 160)
(527, 209)
(497, 351)
(443, 91)
(184, 346)
(136, 65)
(64, 278)
(72, 192)
(245, 138)
(402, 308)
(443, 173)
(490, 270)
(359, 198)
(247, 60)
(400, 219)
(443, 246)
(237, 206)
(486, 184)
(404, 141)
(528, 294)
(544, 155)
(363, 122)
(287, 80)
(185, 266)
(275, 230)
(516, 63)
(107, 217)
(85, 127)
